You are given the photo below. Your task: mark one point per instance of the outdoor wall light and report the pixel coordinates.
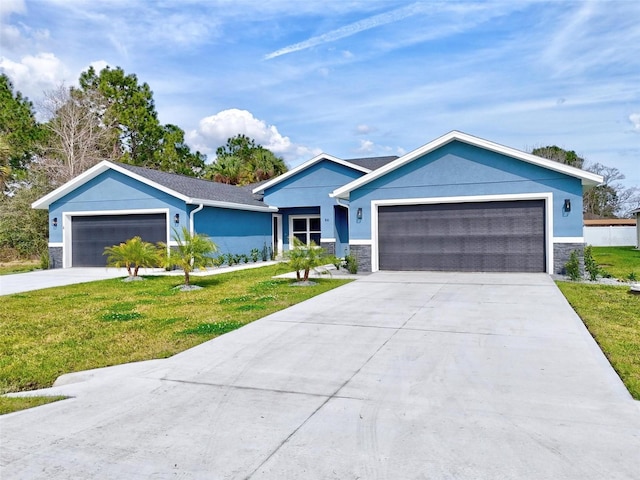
(176, 219)
(54, 222)
(567, 204)
(359, 214)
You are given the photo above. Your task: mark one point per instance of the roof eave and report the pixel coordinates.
(231, 205)
(92, 173)
(588, 179)
(304, 166)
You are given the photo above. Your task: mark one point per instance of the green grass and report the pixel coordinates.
(47, 333)
(612, 315)
(618, 261)
(9, 405)
(7, 268)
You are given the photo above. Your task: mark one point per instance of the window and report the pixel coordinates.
(305, 229)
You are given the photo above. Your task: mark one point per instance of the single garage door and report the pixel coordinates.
(91, 234)
(468, 237)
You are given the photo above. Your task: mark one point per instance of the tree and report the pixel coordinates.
(557, 154)
(192, 251)
(5, 167)
(18, 126)
(174, 155)
(241, 161)
(77, 137)
(132, 254)
(24, 232)
(128, 107)
(611, 198)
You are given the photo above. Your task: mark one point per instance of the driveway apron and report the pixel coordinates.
(398, 375)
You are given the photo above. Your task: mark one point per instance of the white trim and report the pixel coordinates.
(294, 217)
(44, 202)
(279, 248)
(327, 240)
(360, 241)
(588, 178)
(55, 244)
(304, 166)
(67, 218)
(546, 196)
(568, 239)
(230, 205)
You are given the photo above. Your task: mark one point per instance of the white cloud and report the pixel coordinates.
(35, 74)
(634, 118)
(363, 129)
(213, 132)
(366, 146)
(12, 6)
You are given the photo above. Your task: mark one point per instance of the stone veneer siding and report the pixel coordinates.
(363, 256)
(330, 247)
(561, 253)
(55, 257)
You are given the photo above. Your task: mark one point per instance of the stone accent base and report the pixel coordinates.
(55, 257)
(363, 256)
(330, 247)
(561, 253)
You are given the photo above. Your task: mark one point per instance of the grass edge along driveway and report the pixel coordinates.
(612, 316)
(47, 333)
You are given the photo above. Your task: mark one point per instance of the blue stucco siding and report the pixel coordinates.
(311, 188)
(458, 169)
(235, 231)
(113, 191)
(287, 213)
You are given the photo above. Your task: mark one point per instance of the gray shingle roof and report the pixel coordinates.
(372, 163)
(197, 188)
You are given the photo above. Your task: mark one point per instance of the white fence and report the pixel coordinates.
(611, 236)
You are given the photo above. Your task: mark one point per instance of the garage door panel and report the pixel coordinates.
(485, 236)
(91, 234)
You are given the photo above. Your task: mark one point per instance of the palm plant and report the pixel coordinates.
(192, 251)
(132, 254)
(305, 257)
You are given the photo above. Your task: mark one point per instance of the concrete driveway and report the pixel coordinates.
(396, 375)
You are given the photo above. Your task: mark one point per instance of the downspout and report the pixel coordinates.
(340, 204)
(191, 215)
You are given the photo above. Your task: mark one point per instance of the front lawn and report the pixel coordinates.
(49, 332)
(612, 315)
(19, 266)
(620, 262)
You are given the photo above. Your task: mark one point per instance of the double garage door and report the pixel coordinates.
(506, 236)
(91, 234)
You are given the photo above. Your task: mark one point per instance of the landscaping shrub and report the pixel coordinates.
(572, 267)
(590, 264)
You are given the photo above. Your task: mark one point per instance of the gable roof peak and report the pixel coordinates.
(587, 178)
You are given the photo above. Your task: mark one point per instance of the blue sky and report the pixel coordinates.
(354, 78)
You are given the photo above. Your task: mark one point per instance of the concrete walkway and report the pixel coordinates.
(393, 376)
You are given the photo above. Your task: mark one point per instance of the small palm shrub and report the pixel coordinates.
(132, 254)
(193, 251)
(306, 257)
(255, 255)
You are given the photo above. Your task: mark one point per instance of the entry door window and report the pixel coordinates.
(306, 229)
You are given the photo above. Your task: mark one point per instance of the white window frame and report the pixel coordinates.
(308, 229)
